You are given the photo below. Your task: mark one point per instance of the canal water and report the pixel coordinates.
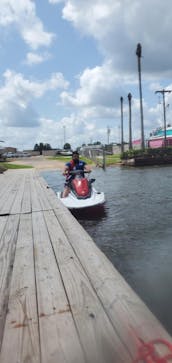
(135, 229)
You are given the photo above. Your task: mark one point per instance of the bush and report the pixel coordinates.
(137, 153)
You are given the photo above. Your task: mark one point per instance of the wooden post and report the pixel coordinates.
(139, 54)
(122, 132)
(104, 158)
(130, 129)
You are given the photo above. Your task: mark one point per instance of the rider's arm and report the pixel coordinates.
(87, 168)
(66, 170)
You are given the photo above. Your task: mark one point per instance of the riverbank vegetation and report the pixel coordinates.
(5, 165)
(110, 159)
(65, 159)
(151, 153)
(113, 159)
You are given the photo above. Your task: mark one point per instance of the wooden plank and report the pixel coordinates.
(35, 200)
(50, 195)
(26, 201)
(5, 181)
(7, 251)
(99, 339)
(17, 204)
(42, 195)
(130, 317)
(58, 335)
(21, 327)
(3, 221)
(9, 194)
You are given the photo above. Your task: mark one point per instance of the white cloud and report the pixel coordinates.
(116, 26)
(23, 15)
(97, 87)
(17, 94)
(55, 1)
(35, 58)
(119, 25)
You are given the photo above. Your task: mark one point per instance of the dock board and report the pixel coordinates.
(61, 300)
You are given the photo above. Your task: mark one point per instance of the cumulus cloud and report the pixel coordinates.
(97, 87)
(23, 15)
(17, 94)
(116, 26)
(119, 25)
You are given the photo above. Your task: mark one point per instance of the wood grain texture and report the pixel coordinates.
(7, 252)
(98, 337)
(21, 327)
(58, 335)
(129, 315)
(61, 300)
(9, 194)
(17, 203)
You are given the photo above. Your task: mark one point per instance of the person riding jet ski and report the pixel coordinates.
(74, 164)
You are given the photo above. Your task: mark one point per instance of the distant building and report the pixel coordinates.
(8, 149)
(157, 137)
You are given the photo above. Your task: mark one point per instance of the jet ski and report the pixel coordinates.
(82, 193)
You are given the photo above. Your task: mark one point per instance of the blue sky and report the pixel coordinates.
(65, 65)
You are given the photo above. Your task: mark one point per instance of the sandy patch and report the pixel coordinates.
(40, 163)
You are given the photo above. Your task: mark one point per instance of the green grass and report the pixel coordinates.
(65, 159)
(110, 159)
(14, 166)
(113, 159)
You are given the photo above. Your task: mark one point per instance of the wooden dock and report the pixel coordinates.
(61, 300)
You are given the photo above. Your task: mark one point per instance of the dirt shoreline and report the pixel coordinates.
(40, 163)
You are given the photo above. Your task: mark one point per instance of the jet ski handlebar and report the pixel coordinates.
(76, 172)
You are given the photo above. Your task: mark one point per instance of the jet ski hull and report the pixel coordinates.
(71, 202)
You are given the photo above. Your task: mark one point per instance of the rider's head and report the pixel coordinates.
(75, 156)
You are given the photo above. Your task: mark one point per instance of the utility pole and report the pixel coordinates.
(122, 131)
(64, 134)
(163, 91)
(130, 129)
(108, 134)
(139, 54)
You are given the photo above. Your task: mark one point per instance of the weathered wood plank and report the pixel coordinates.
(17, 204)
(50, 194)
(35, 201)
(42, 195)
(21, 327)
(58, 335)
(87, 312)
(7, 251)
(98, 337)
(9, 194)
(26, 200)
(3, 221)
(129, 315)
(5, 181)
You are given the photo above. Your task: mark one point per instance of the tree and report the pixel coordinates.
(42, 147)
(97, 143)
(67, 146)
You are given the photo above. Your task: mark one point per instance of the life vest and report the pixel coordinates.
(71, 165)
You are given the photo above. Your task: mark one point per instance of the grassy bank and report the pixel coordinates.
(110, 159)
(113, 159)
(65, 159)
(7, 166)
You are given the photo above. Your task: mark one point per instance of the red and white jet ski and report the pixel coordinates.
(82, 194)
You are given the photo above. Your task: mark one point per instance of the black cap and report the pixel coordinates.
(75, 153)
